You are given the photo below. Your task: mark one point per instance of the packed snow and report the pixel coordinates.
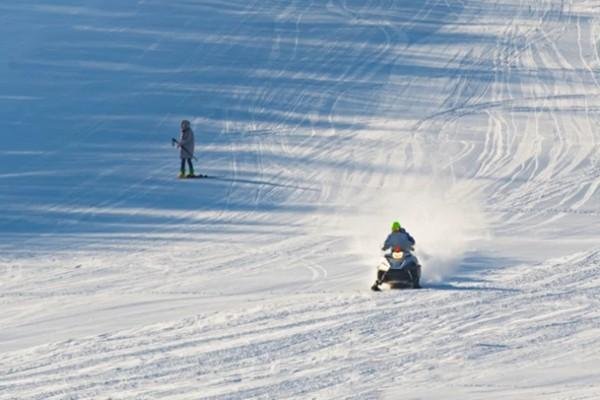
(473, 123)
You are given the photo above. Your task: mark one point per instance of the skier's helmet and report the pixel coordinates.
(396, 226)
(185, 124)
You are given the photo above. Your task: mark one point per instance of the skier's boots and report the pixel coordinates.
(190, 175)
(181, 175)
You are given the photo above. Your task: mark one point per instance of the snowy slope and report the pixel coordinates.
(473, 123)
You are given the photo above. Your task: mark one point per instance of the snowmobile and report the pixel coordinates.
(398, 270)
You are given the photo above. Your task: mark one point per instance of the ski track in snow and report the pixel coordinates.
(475, 123)
(534, 319)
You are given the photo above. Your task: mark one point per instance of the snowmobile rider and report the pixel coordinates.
(186, 146)
(399, 241)
(399, 238)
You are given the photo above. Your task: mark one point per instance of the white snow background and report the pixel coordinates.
(473, 123)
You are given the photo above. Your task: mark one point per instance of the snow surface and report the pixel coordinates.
(475, 123)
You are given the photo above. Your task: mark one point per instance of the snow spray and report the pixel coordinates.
(444, 218)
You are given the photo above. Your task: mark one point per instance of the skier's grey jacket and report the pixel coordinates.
(400, 239)
(186, 143)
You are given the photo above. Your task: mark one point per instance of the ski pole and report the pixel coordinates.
(175, 141)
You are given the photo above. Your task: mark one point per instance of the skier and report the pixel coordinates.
(186, 146)
(400, 242)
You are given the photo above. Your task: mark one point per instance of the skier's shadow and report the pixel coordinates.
(261, 182)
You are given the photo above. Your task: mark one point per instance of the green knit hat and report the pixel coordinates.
(396, 226)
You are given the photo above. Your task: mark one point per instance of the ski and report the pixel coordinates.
(200, 176)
